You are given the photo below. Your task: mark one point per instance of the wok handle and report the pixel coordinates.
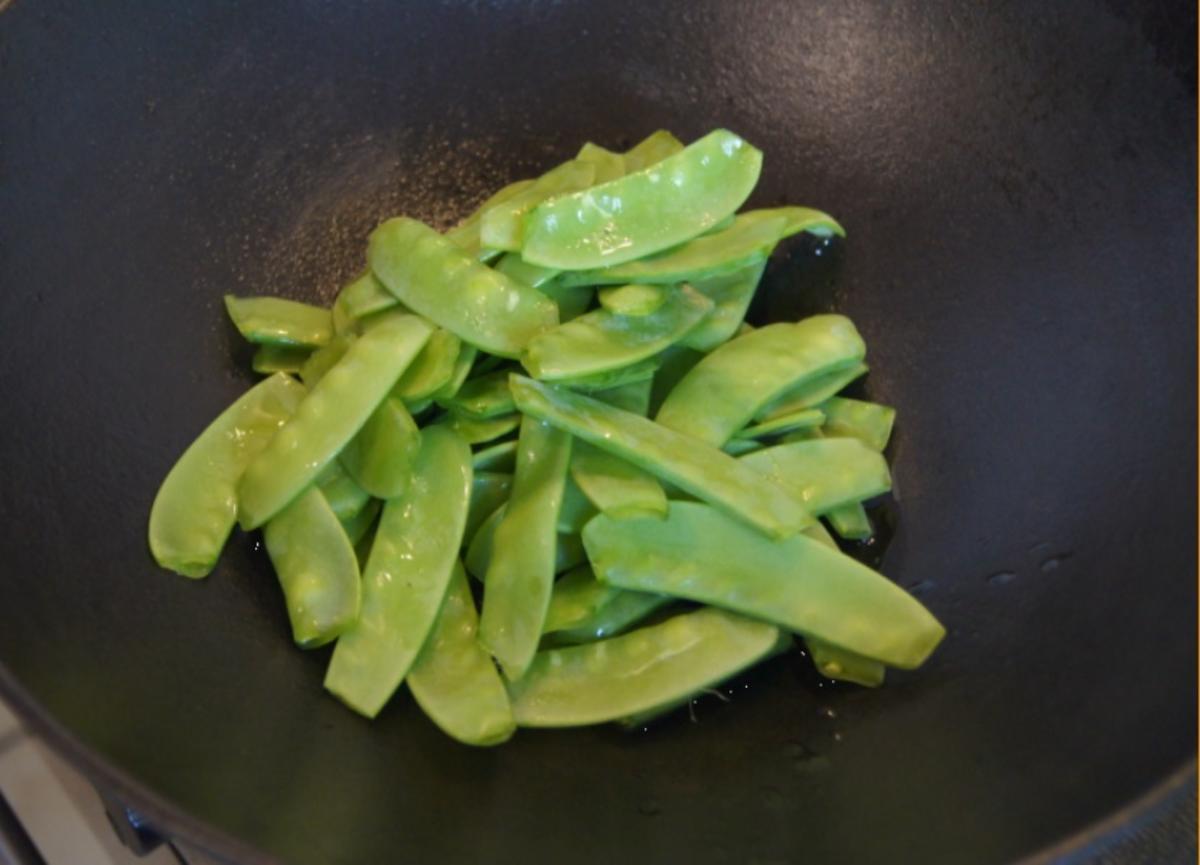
(16, 847)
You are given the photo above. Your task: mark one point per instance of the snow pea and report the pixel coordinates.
(476, 431)
(633, 299)
(695, 467)
(462, 369)
(850, 521)
(613, 378)
(583, 609)
(454, 681)
(646, 211)
(622, 612)
(568, 552)
(824, 474)
(278, 321)
(572, 300)
(811, 392)
(615, 486)
(196, 505)
(342, 492)
(433, 277)
(800, 584)
(411, 562)
(325, 358)
(432, 369)
(651, 150)
(465, 235)
(380, 455)
(806, 418)
(327, 418)
(516, 268)
(496, 458)
(317, 569)
(339, 316)
(736, 447)
(633, 396)
(483, 397)
(568, 547)
(576, 507)
(489, 490)
(869, 422)
(723, 391)
(731, 294)
(502, 225)
(366, 296)
(606, 164)
(676, 362)
(639, 672)
(520, 573)
(600, 340)
(360, 524)
(270, 358)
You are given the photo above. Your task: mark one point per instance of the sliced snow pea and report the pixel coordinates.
(278, 321)
(651, 150)
(483, 397)
(572, 300)
(811, 392)
(608, 165)
(476, 431)
(432, 369)
(269, 358)
(465, 235)
(798, 583)
(633, 299)
(314, 560)
(646, 211)
(412, 559)
(624, 610)
(731, 294)
(633, 396)
(806, 418)
(577, 596)
(850, 521)
(196, 505)
(454, 681)
(804, 434)
(613, 378)
(328, 417)
(722, 392)
(676, 362)
(695, 467)
(360, 524)
(496, 458)
(638, 672)
(325, 358)
(568, 548)
(340, 317)
(576, 507)
(462, 369)
(502, 225)
(615, 486)
(380, 455)
(824, 474)
(489, 490)
(736, 447)
(600, 340)
(516, 268)
(520, 573)
(482, 307)
(367, 296)
(342, 492)
(869, 422)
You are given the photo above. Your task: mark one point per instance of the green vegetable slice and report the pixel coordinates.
(501, 225)
(432, 369)
(850, 521)
(484, 397)
(366, 296)
(731, 294)
(325, 358)
(608, 165)
(633, 299)
(651, 150)
(270, 358)
(476, 431)
(465, 235)
(807, 418)
(342, 492)
(811, 392)
(278, 321)
(869, 422)
(496, 458)
(824, 474)
(489, 491)
(380, 455)
(615, 486)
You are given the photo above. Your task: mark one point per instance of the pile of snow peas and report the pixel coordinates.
(539, 469)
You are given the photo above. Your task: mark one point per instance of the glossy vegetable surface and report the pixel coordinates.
(276, 321)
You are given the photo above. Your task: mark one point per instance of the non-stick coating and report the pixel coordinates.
(1018, 184)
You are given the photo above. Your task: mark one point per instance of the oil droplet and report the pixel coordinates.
(1053, 562)
(1001, 578)
(649, 809)
(827, 712)
(837, 736)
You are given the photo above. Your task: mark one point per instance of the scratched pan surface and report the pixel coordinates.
(1019, 188)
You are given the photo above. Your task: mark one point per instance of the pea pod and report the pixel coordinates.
(651, 150)
(358, 526)
(317, 569)
(576, 507)
(342, 492)
(462, 369)
(697, 468)
(738, 447)
(411, 562)
(869, 422)
(811, 392)
(476, 431)
(196, 506)
(489, 490)
(270, 358)
(568, 548)
(325, 358)
(676, 362)
(454, 681)
(432, 369)
(612, 378)
(615, 486)
(639, 672)
(600, 340)
(824, 474)
(366, 296)
(465, 235)
(484, 397)
(633, 396)
(646, 211)
(278, 321)
(798, 583)
(633, 299)
(501, 225)
(723, 391)
(521, 571)
(519, 270)
(485, 308)
(606, 164)
(583, 609)
(328, 417)
(807, 418)
(850, 521)
(496, 458)
(731, 294)
(380, 455)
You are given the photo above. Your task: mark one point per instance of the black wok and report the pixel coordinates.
(1018, 182)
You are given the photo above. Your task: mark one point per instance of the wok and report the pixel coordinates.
(1018, 183)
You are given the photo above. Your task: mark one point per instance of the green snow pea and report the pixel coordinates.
(568, 552)
(516, 268)
(633, 396)
(317, 569)
(651, 150)
(366, 296)
(572, 300)
(489, 490)
(196, 505)
(340, 317)
(496, 458)
(869, 422)
(278, 321)
(608, 165)
(824, 474)
(722, 392)
(695, 467)
(615, 486)
(576, 508)
(325, 358)
(568, 548)
(432, 369)
(521, 571)
(435, 278)
(360, 524)
(736, 447)
(676, 362)
(380, 455)
(806, 418)
(502, 224)
(269, 358)
(454, 681)
(633, 299)
(645, 670)
(462, 369)
(798, 583)
(327, 418)
(583, 609)
(850, 521)
(621, 613)
(811, 392)
(342, 492)
(412, 559)
(731, 294)
(646, 211)
(600, 340)
(476, 431)
(465, 235)
(612, 378)
(483, 397)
